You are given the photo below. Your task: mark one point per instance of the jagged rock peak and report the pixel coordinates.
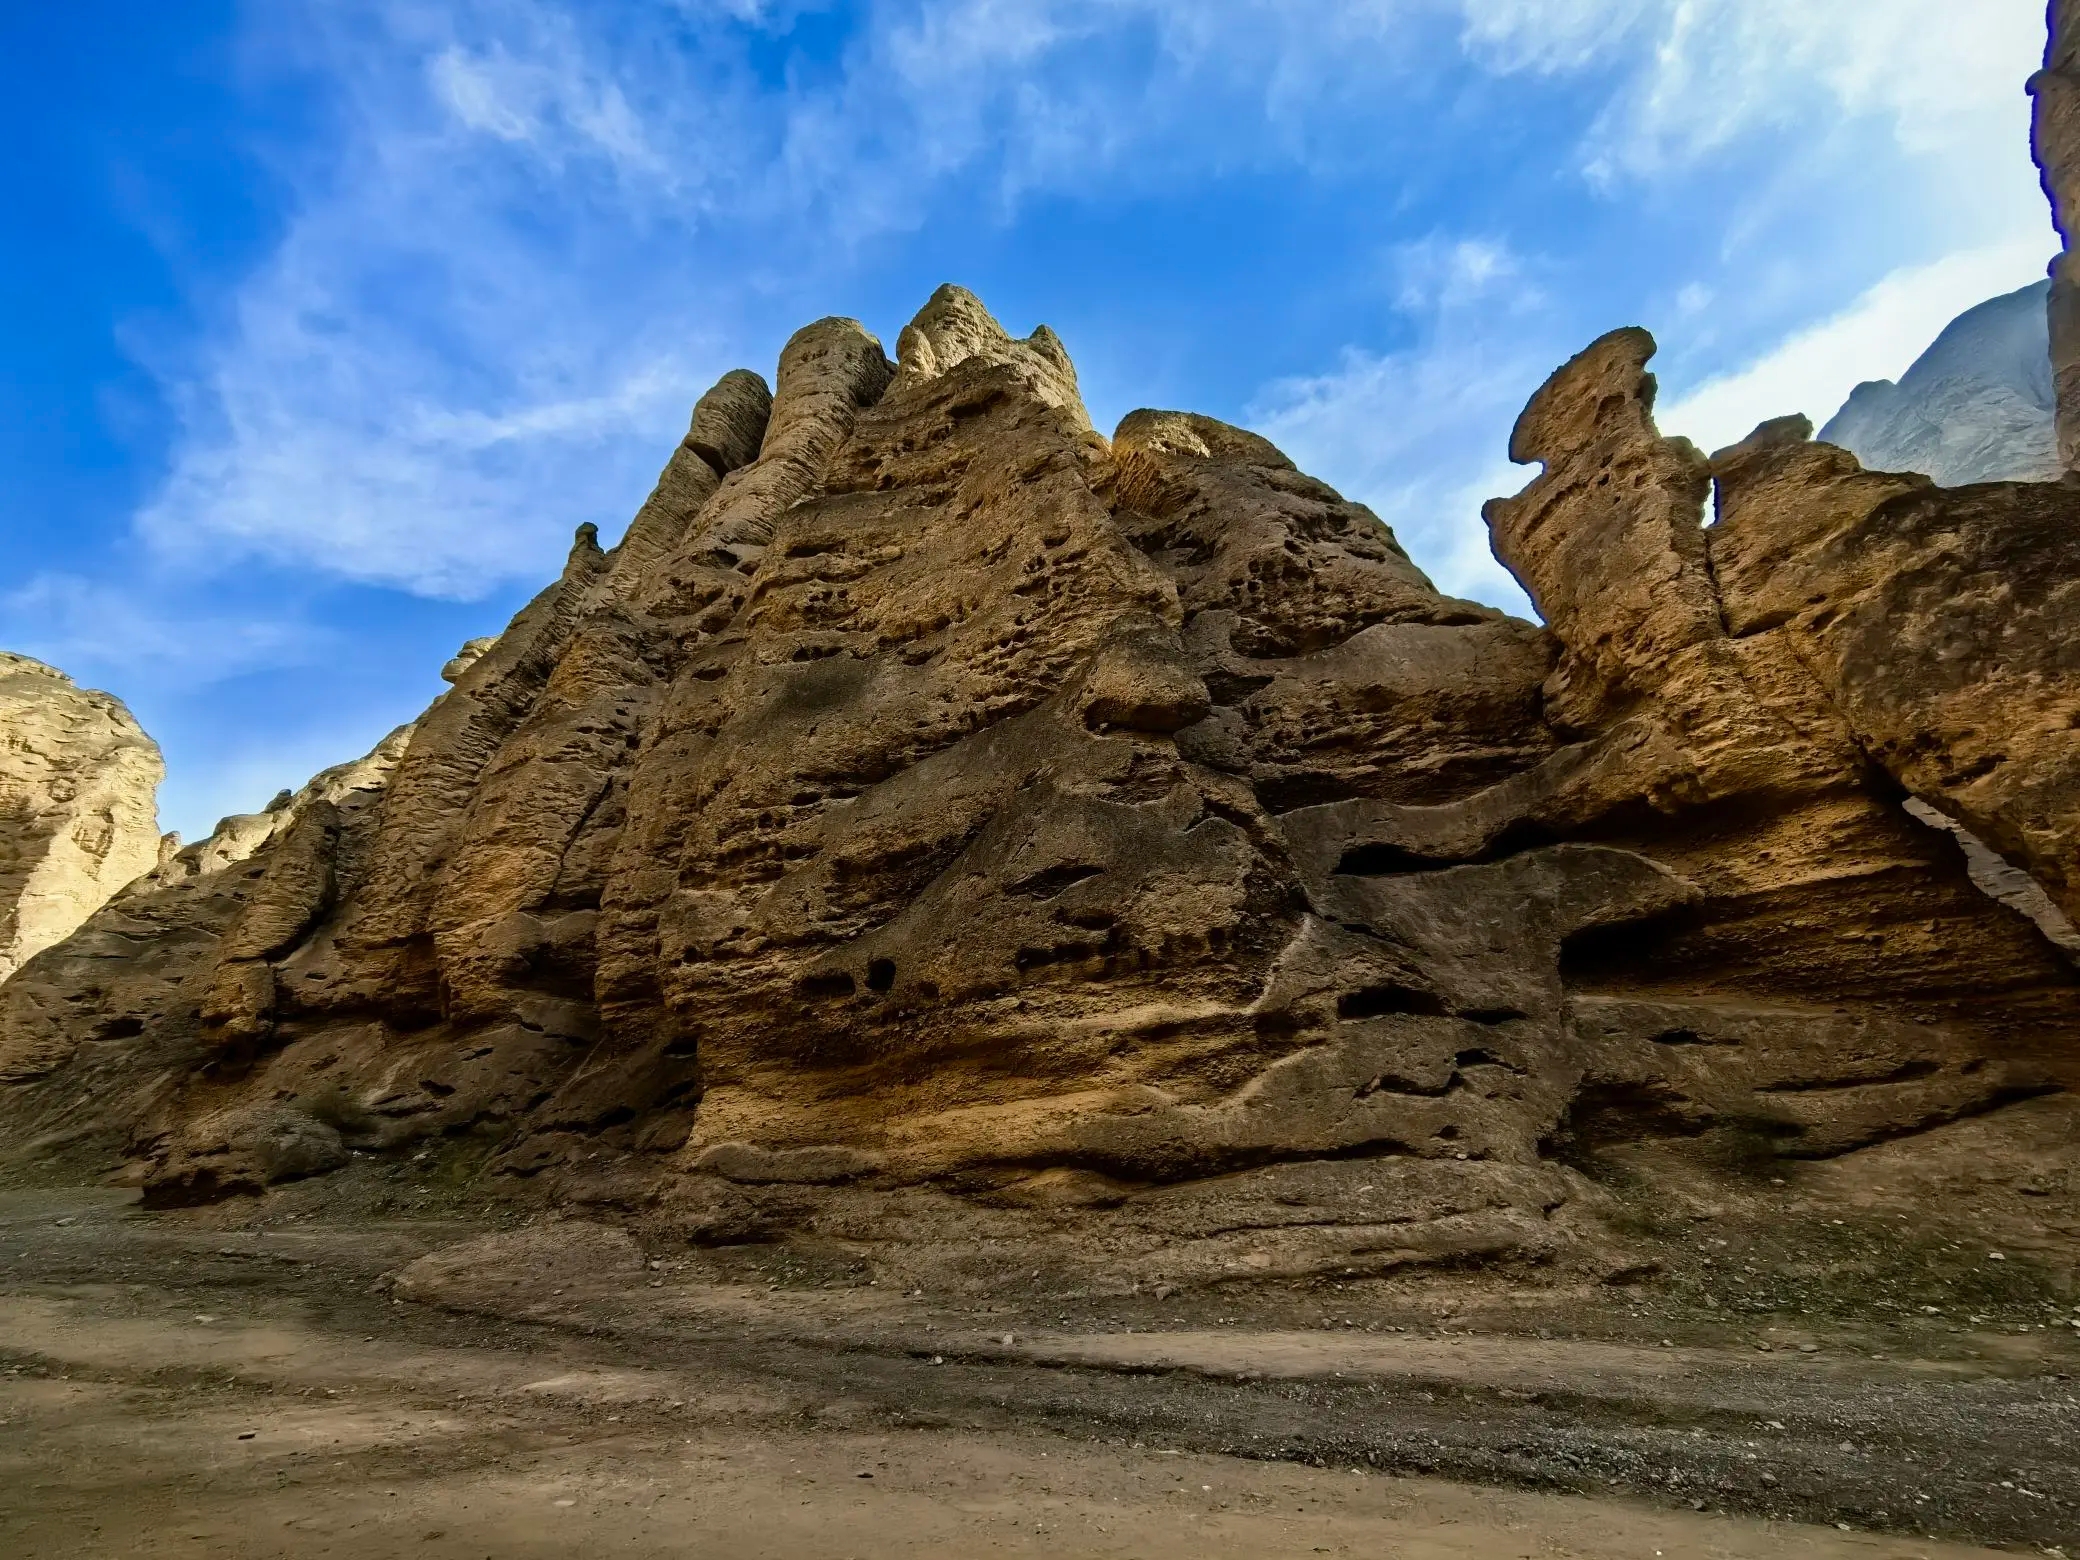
(1607, 541)
(462, 660)
(1194, 436)
(955, 327)
(829, 372)
(236, 838)
(729, 422)
(78, 811)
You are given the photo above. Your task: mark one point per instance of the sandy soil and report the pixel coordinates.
(141, 1429)
(252, 1382)
(1833, 1361)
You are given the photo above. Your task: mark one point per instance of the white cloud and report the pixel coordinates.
(1445, 273)
(1876, 337)
(539, 228)
(545, 226)
(1550, 35)
(1943, 73)
(96, 628)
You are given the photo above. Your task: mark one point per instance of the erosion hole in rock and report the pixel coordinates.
(1060, 953)
(881, 975)
(825, 985)
(1906, 1072)
(1227, 689)
(1388, 999)
(1690, 1037)
(1053, 881)
(1617, 1111)
(1382, 859)
(1617, 954)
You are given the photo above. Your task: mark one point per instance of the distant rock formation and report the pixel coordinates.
(2055, 137)
(934, 819)
(79, 782)
(1977, 406)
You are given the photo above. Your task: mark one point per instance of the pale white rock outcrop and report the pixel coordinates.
(78, 805)
(1977, 406)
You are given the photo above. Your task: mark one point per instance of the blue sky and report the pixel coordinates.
(322, 325)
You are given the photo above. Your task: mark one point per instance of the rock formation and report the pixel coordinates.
(78, 811)
(1977, 406)
(936, 822)
(2055, 137)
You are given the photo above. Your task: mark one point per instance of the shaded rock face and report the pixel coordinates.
(2055, 139)
(1977, 406)
(937, 822)
(79, 782)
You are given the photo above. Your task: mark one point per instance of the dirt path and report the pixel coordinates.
(115, 1462)
(176, 1388)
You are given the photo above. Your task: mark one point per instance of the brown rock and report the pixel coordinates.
(78, 809)
(1942, 625)
(954, 328)
(951, 832)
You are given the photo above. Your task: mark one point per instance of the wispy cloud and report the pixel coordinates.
(539, 229)
(1876, 337)
(1905, 126)
(100, 628)
(1696, 74)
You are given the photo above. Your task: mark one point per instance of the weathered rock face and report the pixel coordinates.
(1939, 626)
(935, 822)
(78, 811)
(1977, 406)
(2055, 137)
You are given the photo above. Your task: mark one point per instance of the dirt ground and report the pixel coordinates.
(1833, 1361)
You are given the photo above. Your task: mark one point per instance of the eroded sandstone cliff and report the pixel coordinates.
(79, 781)
(933, 815)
